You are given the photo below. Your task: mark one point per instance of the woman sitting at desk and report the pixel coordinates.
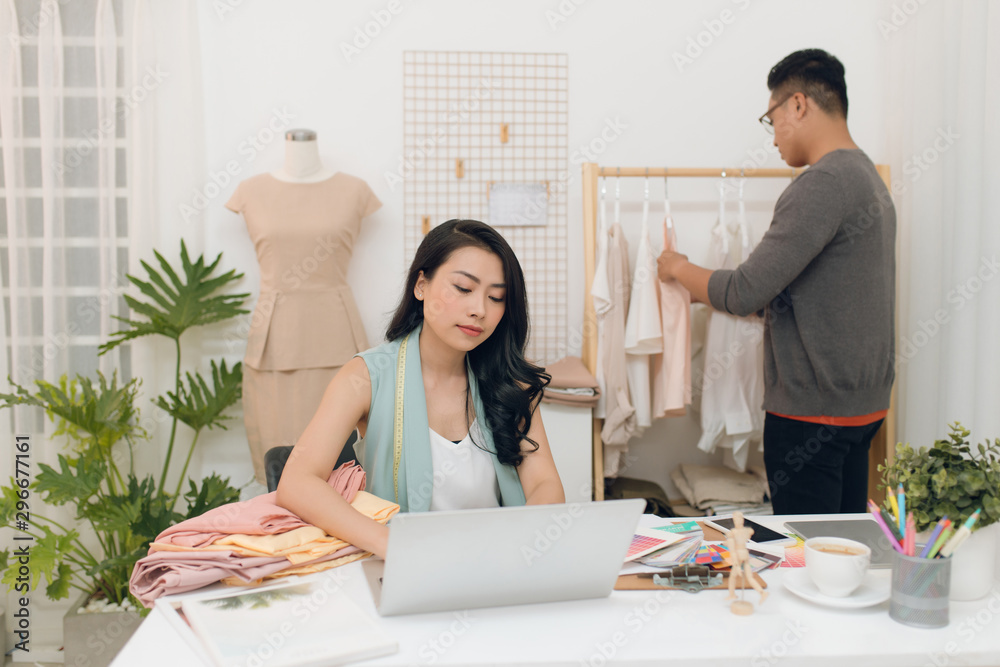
(447, 410)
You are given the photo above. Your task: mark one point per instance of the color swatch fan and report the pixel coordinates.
(648, 540)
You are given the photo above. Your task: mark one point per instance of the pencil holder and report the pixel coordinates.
(920, 588)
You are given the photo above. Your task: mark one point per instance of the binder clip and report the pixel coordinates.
(690, 578)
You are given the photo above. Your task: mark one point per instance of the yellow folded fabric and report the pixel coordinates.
(306, 569)
(372, 506)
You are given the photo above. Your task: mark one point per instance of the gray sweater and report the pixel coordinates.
(824, 275)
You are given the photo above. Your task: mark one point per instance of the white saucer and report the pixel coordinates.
(875, 588)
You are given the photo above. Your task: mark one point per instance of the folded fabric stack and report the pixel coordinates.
(246, 542)
(721, 490)
(572, 384)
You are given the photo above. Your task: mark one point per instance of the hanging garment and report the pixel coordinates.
(600, 292)
(732, 382)
(643, 332)
(619, 419)
(672, 368)
(305, 325)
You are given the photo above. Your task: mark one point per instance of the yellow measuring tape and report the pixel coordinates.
(397, 427)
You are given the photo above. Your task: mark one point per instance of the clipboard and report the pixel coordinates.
(645, 582)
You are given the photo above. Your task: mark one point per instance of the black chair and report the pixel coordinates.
(276, 457)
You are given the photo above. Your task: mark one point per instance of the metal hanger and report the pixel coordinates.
(666, 203)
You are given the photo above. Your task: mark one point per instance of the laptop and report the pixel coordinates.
(865, 531)
(466, 559)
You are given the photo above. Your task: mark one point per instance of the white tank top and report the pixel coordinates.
(464, 476)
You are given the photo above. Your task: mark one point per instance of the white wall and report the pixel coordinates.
(263, 56)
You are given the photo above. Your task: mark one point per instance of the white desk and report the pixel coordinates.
(650, 628)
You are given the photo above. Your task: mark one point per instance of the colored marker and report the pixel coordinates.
(932, 540)
(882, 525)
(938, 529)
(901, 500)
(960, 535)
(891, 522)
(895, 508)
(945, 536)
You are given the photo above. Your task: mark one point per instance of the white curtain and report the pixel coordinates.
(63, 188)
(944, 72)
(166, 167)
(65, 233)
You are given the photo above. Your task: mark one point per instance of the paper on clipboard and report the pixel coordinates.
(519, 204)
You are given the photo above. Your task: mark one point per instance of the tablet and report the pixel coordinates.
(865, 531)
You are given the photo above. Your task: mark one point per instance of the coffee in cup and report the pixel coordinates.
(836, 565)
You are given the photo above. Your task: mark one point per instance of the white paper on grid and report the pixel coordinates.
(518, 205)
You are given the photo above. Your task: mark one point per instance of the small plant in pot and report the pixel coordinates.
(951, 478)
(119, 510)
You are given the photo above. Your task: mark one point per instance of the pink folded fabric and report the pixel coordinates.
(257, 516)
(170, 572)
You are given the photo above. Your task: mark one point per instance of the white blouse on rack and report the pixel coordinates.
(733, 386)
(643, 333)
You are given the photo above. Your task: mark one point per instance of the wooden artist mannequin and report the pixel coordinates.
(739, 561)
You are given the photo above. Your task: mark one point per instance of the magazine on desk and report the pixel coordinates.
(294, 623)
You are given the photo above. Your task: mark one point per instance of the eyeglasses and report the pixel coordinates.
(765, 119)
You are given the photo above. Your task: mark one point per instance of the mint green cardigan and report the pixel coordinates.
(375, 450)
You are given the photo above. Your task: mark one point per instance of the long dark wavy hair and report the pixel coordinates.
(508, 383)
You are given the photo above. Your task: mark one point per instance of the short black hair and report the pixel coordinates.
(815, 73)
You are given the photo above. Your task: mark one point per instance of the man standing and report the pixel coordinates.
(824, 277)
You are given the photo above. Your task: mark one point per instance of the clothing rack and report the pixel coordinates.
(880, 452)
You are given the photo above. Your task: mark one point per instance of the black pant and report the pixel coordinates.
(816, 468)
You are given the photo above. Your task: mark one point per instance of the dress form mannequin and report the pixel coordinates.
(302, 163)
(303, 220)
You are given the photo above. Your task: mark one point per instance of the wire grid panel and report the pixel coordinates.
(472, 119)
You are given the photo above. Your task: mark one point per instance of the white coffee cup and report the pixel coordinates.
(837, 565)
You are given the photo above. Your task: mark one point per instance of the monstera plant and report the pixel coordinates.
(99, 420)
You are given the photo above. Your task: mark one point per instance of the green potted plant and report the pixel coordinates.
(953, 478)
(118, 509)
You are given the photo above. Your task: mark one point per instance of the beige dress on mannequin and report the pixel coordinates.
(306, 324)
